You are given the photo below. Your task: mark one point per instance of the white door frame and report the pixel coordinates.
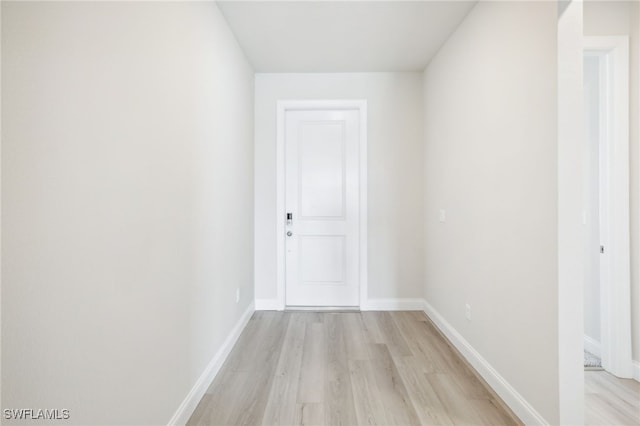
(310, 105)
(615, 267)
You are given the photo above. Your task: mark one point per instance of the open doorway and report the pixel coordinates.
(609, 398)
(607, 280)
(592, 299)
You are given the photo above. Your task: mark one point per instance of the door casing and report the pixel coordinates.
(310, 105)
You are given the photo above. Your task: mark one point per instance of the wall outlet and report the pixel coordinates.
(467, 311)
(443, 215)
(237, 294)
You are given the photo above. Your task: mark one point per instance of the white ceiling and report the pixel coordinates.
(342, 36)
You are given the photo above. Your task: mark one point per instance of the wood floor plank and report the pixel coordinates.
(399, 409)
(241, 357)
(460, 372)
(338, 397)
(357, 343)
(601, 411)
(432, 345)
(610, 400)
(467, 382)
(368, 403)
(281, 405)
(238, 357)
(626, 390)
(417, 341)
(370, 324)
(249, 409)
(428, 406)
(336, 349)
(309, 414)
(339, 403)
(390, 334)
(312, 378)
(217, 406)
(458, 409)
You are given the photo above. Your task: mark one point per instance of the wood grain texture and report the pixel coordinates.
(610, 400)
(282, 400)
(347, 368)
(311, 386)
(309, 414)
(338, 397)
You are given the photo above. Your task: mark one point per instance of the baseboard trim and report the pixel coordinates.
(509, 395)
(267, 305)
(636, 371)
(592, 345)
(188, 406)
(393, 305)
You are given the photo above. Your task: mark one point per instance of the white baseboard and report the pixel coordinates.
(267, 305)
(592, 345)
(509, 395)
(393, 305)
(636, 371)
(188, 406)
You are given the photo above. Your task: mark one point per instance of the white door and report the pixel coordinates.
(322, 208)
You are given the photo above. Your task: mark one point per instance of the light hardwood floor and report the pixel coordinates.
(610, 400)
(373, 368)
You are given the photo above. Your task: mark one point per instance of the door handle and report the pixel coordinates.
(289, 233)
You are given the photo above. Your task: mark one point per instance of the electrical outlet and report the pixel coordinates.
(467, 311)
(238, 295)
(443, 215)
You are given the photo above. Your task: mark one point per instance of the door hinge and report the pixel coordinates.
(601, 249)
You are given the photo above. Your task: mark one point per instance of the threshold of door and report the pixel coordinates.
(322, 309)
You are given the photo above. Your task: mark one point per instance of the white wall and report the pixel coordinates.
(491, 163)
(570, 196)
(395, 249)
(611, 18)
(127, 197)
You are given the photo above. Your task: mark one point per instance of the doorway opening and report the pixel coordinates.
(607, 280)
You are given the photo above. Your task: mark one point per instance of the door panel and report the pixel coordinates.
(322, 259)
(321, 170)
(322, 193)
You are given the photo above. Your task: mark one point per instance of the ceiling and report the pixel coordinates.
(342, 36)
